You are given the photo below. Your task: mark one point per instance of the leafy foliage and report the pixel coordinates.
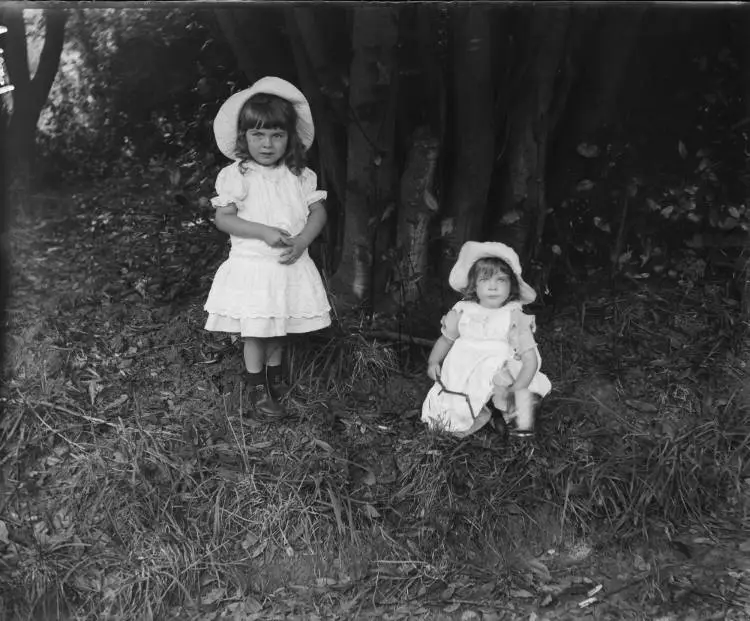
(133, 85)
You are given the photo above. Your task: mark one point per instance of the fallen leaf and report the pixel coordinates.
(641, 406)
(521, 594)
(259, 550)
(213, 596)
(3, 533)
(249, 541)
(324, 445)
(116, 403)
(371, 511)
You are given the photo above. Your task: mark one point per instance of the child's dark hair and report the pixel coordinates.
(487, 266)
(264, 111)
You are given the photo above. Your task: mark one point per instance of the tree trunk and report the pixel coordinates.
(370, 165)
(5, 255)
(256, 39)
(616, 37)
(417, 207)
(532, 120)
(741, 32)
(325, 91)
(473, 136)
(30, 94)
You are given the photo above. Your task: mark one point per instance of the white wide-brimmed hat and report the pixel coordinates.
(472, 251)
(225, 123)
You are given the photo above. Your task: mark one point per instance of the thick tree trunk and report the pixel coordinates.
(257, 41)
(616, 36)
(532, 121)
(228, 20)
(30, 94)
(417, 207)
(370, 166)
(473, 136)
(325, 91)
(4, 241)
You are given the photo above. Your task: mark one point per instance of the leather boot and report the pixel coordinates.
(276, 385)
(264, 404)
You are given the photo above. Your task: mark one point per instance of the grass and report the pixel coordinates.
(134, 489)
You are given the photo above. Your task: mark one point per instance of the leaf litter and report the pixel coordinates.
(134, 489)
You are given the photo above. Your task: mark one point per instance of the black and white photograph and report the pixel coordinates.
(374, 311)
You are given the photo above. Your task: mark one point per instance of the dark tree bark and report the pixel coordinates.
(472, 135)
(416, 209)
(532, 119)
(30, 94)
(4, 241)
(257, 41)
(370, 167)
(326, 93)
(616, 35)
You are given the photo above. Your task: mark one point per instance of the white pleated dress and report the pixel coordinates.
(252, 294)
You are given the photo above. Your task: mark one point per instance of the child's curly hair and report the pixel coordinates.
(264, 111)
(487, 267)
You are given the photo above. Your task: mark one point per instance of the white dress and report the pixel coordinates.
(482, 348)
(252, 294)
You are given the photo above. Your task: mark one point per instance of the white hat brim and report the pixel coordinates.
(472, 251)
(225, 123)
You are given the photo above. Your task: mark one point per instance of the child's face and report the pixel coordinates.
(267, 146)
(493, 289)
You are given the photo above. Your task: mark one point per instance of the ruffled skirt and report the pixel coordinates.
(256, 296)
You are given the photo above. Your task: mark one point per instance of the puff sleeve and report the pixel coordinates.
(449, 324)
(522, 330)
(310, 191)
(230, 187)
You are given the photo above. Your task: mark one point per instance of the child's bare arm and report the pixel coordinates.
(439, 351)
(228, 221)
(297, 245)
(529, 366)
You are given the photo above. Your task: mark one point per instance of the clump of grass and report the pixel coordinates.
(148, 519)
(335, 363)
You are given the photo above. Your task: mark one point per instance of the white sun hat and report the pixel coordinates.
(472, 251)
(225, 123)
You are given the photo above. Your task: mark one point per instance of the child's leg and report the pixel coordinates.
(260, 397)
(274, 352)
(274, 349)
(527, 404)
(255, 355)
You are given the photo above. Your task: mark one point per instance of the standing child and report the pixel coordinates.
(486, 357)
(269, 204)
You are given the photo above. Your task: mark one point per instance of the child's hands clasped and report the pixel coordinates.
(275, 237)
(295, 246)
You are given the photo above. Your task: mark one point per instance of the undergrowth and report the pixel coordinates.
(133, 487)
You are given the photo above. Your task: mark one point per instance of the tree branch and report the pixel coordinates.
(49, 59)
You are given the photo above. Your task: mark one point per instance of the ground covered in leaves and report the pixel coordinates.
(132, 487)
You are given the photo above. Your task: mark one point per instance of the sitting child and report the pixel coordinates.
(486, 357)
